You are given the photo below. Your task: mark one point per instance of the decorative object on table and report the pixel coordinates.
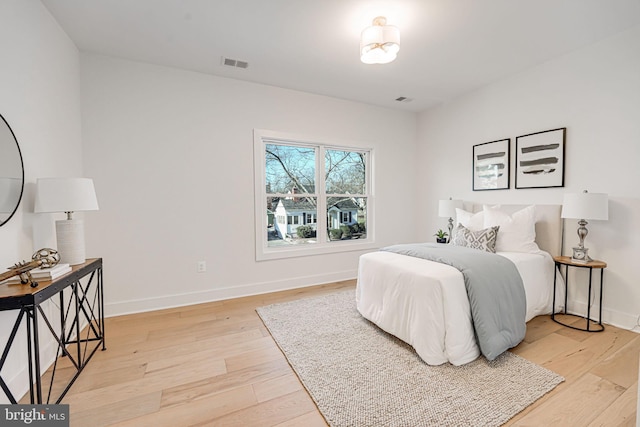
(379, 43)
(540, 159)
(45, 258)
(11, 172)
(67, 195)
(40, 273)
(441, 236)
(491, 165)
(583, 206)
(447, 209)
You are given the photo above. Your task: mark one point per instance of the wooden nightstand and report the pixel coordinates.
(568, 262)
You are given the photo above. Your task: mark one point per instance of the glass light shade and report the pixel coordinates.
(447, 208)
(585, 205)
(380, 43)
(65, 195)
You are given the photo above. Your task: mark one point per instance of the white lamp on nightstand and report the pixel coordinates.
(67, 195)
(584, 206)
(447, 208)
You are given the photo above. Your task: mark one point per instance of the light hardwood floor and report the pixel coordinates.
(215, 364)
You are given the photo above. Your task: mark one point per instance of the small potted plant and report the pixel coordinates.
(441, 236)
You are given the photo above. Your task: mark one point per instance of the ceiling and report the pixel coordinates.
(448, 47)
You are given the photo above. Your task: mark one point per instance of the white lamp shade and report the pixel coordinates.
(586, 206)
(447, 208)
(380, 43)
(65, 195)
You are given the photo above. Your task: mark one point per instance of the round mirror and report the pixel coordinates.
(11, 172)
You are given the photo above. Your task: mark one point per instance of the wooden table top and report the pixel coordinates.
(568, 261)
(19, 290)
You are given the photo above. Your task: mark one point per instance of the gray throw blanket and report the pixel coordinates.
(494, 287)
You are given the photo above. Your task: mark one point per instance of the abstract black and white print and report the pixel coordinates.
(540, 159)
(491, 165)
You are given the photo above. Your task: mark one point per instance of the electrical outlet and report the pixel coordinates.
(201, 266)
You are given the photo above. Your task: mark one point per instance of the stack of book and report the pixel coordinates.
(41, 274)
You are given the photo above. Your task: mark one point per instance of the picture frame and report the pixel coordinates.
(491, 165)
(540, 159)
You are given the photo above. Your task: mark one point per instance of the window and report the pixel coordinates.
(296, 179)
(310, 218)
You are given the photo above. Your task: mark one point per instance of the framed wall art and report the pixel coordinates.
(491, 165)
(540, 159)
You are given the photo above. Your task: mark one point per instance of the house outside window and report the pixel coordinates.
(296, 179)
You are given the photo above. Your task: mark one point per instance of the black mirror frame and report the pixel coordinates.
(21, 167)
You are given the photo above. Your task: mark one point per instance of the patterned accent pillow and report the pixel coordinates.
(484, 239)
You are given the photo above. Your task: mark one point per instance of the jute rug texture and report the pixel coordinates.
(358, 375)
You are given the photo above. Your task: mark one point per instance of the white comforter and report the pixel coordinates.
(425, 304)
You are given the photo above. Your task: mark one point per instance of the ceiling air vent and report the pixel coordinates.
(403, 99)
(234, 63)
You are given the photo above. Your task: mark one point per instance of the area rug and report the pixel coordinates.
(358, 375)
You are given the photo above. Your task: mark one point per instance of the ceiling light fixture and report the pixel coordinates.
(380, 43)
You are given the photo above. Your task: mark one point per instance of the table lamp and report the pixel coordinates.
(583, 206)
(67, 195)
(447, 208)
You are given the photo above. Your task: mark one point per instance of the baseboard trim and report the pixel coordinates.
(609, 317)
(178, 300)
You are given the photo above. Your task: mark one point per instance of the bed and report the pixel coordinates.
(425, 303)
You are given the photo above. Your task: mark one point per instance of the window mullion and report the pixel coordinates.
(322, 200)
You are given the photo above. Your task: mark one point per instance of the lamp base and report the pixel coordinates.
(581, 255)
(70, 238)
(450, 225)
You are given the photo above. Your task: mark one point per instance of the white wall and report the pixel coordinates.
(39, 98)
(595, 94)
(171, 154)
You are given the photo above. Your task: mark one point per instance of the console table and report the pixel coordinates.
(79, 334)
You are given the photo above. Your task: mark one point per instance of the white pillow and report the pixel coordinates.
(473, 222)
(517, 231)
